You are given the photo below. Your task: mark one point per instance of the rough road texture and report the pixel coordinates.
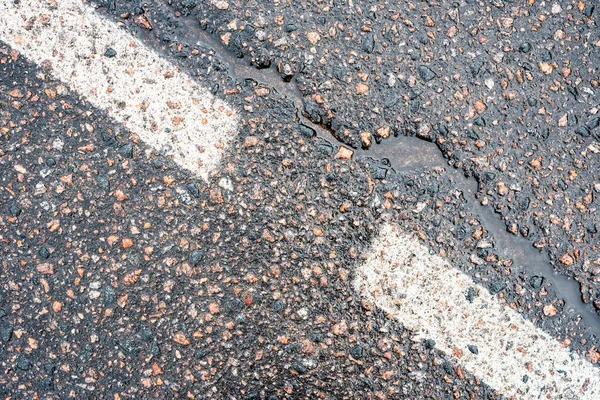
(508, 91)
(121, 276)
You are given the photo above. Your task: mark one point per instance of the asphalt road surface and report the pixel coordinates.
(334, 199)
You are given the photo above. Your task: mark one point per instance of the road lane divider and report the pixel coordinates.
(116, 72)
(495, 343)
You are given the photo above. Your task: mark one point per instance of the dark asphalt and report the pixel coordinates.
(122, 276)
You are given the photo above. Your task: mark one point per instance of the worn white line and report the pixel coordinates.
(154, 99)
(427, 295)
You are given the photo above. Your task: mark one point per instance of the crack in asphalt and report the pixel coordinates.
(408, 153)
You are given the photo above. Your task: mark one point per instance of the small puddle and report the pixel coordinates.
(405, 153)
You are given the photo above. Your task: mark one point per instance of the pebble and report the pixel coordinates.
(108, 138)
(146, 334)
(155, 349)
(95, 285)
(313, 37)
(550, 310)
(110, 52)
(593, 123)
(196, 257)
(225, 184)
(324, 147)
(221, 5)
(193, 189)
(525, 47)
(316, 337)
(278, 306)
(299, 368)
(368, 43)
(307, 131)
(58, 144)
(379, 173)
(497, 287)
(23, 363)
(44, 253)
(103, 183)
(470, 294)
(423, 39)
(110, 295)
(556, 8)
(567, 259)
(14, 210)
(475, 68)
(47, 384)
(344, 153)
(391, 83)
(536, 282)
(426, 73)
(49, 368)
(366, 140)
(582, 131)
(357, 352)
(362, 88)
(310, 363)
(546, 56)
(302, 313)
(44, 173)
(126, 150)
(6, 332)
(290, 28)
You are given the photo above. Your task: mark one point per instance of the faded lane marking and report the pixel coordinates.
(427, 295)
(153, 99)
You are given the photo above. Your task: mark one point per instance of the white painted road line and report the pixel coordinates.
(427, 295)
(151, 97)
